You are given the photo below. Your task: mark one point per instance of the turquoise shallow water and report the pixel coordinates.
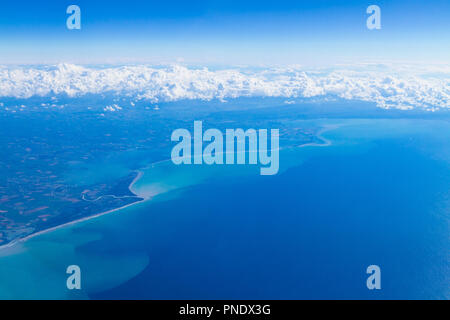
(378, 195)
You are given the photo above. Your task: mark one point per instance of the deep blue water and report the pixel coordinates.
(379, 195)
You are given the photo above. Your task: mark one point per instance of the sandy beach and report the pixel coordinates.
(24, 239)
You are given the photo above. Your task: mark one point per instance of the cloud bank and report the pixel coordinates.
(403, 87)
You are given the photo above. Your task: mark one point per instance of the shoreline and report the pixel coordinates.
(319, 135)
(67, 224)
(144, 199)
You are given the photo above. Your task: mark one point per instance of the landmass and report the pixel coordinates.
(60, 165)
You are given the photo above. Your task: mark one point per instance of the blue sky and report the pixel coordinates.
(224, 32)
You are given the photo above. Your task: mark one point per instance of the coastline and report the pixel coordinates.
(31, 236)
(319, 135)
(144, 199)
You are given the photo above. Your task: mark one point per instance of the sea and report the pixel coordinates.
(375, 192)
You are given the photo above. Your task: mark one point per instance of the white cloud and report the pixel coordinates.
(388, 86)
(112, 108)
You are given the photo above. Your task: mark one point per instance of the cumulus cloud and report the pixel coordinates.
(402, 87)
(112, 108)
